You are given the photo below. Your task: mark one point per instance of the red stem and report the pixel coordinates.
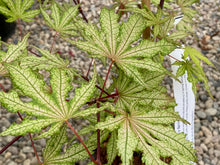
(18, 137)
(87, 74)
(81, 11)
(90, 155)
(9, 144)
(53, 42)
(98, 118)
(114, 114)
(32, 143)
(19, 26)
(116, 99)
(173, 57)
(34, 53)
(112, 95)
(13, 140)
(98, 156)
(106, 79)
(1, 86)
(161, 4)
(85, 78)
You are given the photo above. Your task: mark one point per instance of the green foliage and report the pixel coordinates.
(149, 131)
(102, 43)
(54, 145)
(61, 23)
(47, 61)
(133, 114)
(194, 69)
(18, 10)
(14, 53)
(51, 109)
(131, 92)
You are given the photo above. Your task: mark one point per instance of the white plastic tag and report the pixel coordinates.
(185, 99)
(184, 96)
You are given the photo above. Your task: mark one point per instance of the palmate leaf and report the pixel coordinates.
(132, 92)
(194, 72)
(195, 55)
(77, 151)
(114, 41)
(18, 10)
(152, 19)
(47, 61)
(188, 12)
(13, 53)
(61, 23)
(54, 145)
(149, 131)
(184, 25)
(50, 109)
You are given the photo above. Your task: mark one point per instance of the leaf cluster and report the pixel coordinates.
(18, 10)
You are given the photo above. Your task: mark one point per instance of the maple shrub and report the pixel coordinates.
(132, 116)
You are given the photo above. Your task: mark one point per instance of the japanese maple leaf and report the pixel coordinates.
(50, 109)
(114, 41)
(18, 9)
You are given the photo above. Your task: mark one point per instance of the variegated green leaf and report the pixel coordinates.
(53, 130)
(82, 95)
(3, 70)
(150, 154)
(109, 23)
(90, 111)
(49, 108)
(60, 87)
(18, 10)
(77, 151)
(74, 153)
(54, 145)
(14, 51)
(157, 135)
(61, 23)
(110, 123)
(130, 32)
(149, 49)
(126, 143)
(177, 35)
(167, 147)
(144, 64)
(31, 86)
(92, 49)
(114, 41)
(27, 126)
(30, 14)
(112, 148)
(55, 14)
(47, 61)
(47, 18)
(149, 130)
(134, 73)
(151, 95)
(160, 117)
(12, 102)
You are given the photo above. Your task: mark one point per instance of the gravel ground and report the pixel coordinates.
(207, 118)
